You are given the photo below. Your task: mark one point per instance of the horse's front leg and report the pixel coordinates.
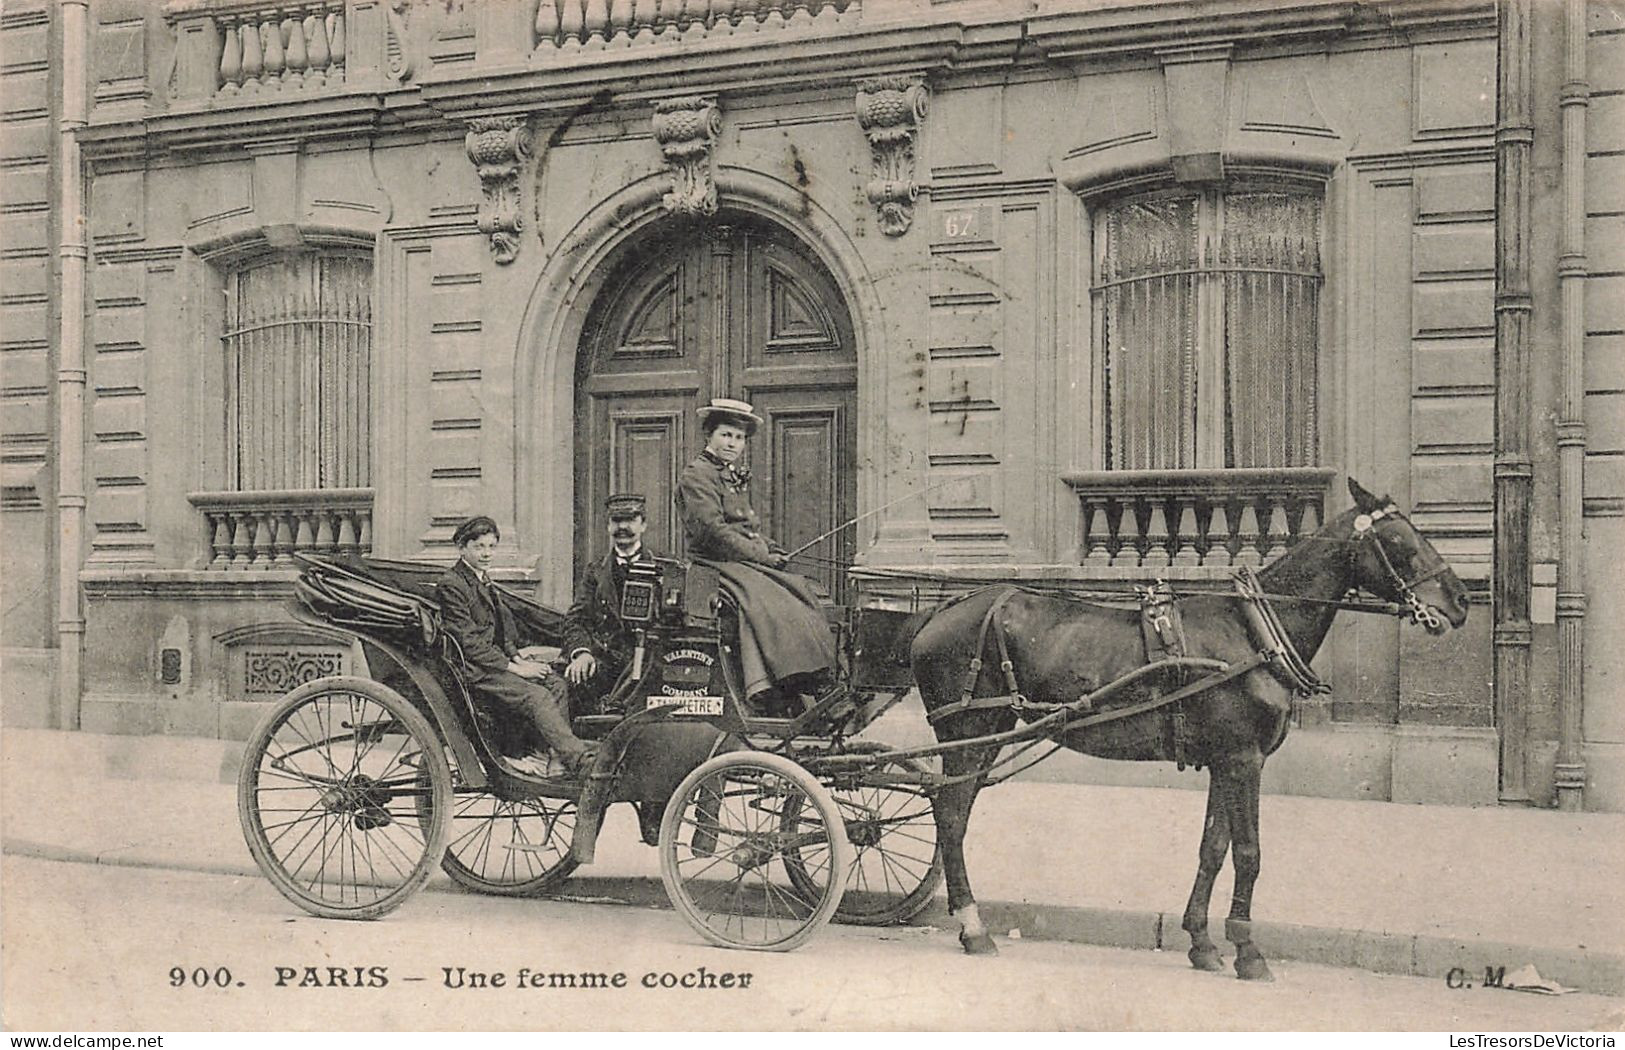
(1204, 954)
(1242, 772)
(951, 806)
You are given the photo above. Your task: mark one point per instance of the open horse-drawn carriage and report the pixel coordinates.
(354, 788)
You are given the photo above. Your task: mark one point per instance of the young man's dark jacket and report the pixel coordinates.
(482, 626)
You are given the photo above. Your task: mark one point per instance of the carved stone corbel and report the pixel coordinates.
(498, 146)
(687, 129)
(891, 111)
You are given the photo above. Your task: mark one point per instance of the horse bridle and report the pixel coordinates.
(1421, 612)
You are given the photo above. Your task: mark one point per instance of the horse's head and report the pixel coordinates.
(1395, 562)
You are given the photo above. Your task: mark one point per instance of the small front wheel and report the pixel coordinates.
(897, 863)
(343, 798)
(731, 829)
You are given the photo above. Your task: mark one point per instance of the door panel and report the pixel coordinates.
(801, 482)
(640, 459)
(737, 309)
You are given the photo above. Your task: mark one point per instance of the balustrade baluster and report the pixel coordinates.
(297, 55)
(645, 13)
(666, 22)
(1097, 540)
(283, 537)
(1310, 522)
(253, 56)
(335, 62)
(547, 24)
(572, 18)
(800, 15)
(264, 548)
(596, 21)
(219, 541)
(241, 541)
(364, 529)
(694, 16)
(745, 19)
(1187, 537)
(347, 535)
(722, 16)
(231, 58)
(316, 46)
(305, 538)
(775, 13)
(620, 22)
(1249, 539)
(1278, 536)
(271, 33)
(324, 532)
(1218, 536)
(1156, 538)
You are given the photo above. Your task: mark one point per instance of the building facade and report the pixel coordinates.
(1060, 290)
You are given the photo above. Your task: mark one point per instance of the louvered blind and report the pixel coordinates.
(298, 351)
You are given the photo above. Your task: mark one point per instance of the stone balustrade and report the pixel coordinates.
(262, 530)
(283, 47)
(592, 24)
(1153, 519)
(236, 51)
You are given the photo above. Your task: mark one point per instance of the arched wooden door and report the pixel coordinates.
(736, 308)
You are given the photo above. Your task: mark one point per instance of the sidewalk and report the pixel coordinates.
(1392, 888)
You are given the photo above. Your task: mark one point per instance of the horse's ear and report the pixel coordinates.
(1363, 499)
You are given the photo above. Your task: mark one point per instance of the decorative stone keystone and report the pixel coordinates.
(891, 110)
(686, 129)
(498, 147)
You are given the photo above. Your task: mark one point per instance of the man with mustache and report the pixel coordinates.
(597, 643)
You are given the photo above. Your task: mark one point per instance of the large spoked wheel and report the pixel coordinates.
(512, 849)
(897, 863)
(344, 796)
(724, 841)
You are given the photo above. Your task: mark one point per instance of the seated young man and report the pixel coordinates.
(498, 671)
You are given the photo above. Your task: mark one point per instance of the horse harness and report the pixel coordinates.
(1162, 632)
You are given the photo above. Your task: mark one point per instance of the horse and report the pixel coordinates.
(978, 660)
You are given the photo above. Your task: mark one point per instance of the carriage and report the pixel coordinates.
(354, 788)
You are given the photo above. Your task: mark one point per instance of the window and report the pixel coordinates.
(1207, 307)
(298, 347)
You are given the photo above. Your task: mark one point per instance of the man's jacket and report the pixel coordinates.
(594, 620)
(481, 625)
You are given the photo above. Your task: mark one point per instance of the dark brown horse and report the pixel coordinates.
(1059, 649)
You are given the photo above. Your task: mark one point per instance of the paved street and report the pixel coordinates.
(101, 947)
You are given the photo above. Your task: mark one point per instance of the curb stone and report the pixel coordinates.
(1406, 955)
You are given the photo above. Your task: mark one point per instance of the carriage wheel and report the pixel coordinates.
(343, 798)
(724, 841)
(897, 865)
(512, 849)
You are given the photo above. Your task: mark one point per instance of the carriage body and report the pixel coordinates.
(403, 762)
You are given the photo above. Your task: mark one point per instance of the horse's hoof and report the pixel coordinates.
(1207, 959)
(978, 944)
(1253, 969)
